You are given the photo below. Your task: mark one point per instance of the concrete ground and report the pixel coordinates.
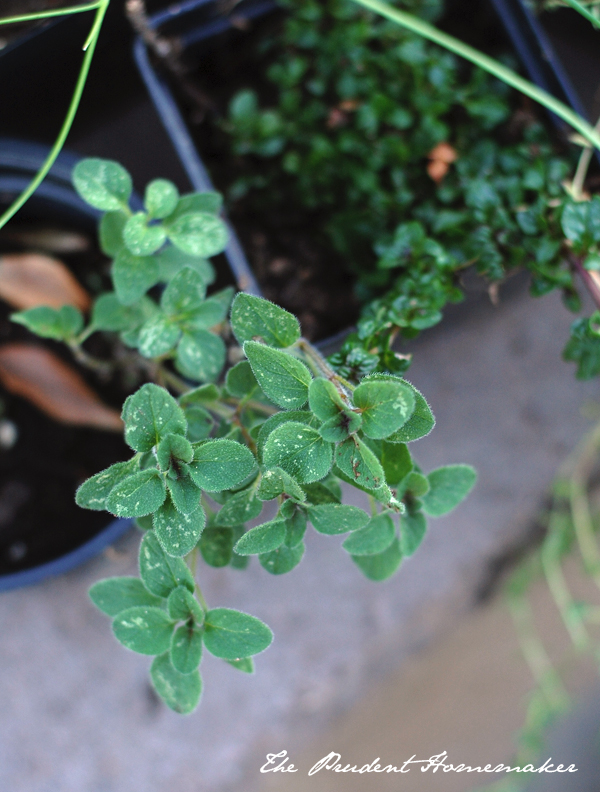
(77, 714)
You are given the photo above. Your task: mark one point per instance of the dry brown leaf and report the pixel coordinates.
(54, 387)
(31, 279)
(440, 159)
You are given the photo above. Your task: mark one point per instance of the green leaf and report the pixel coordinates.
(200, 355)
(144, 629)
(282, 560)
(102, 183)
(583, 346)
(412, 531)
(184, 494)
(160, 198)
(158, 336)
(262, 539)
(299, 450)
(149, 414)
(210, 313)
(319, 492)
(110, 232)
(110, 314)
(178, 533)
(137, 495)
(171, 260)
(186, 648)
(114, 595)
(396, 462)
(240, 381)
(295, 528)
(133, 276)
(221, 464)
(180, 692)
(382, 565)
(254, 318)
(216, 546)
(376, 536)
(417, 484)
(205, 394)
(240, 508)
(198, 233)
(300, 416)
(385, 406)
(420, 423)
(182, 606)
(277, 482)
(337, 518)
(160, 572)
(92, 494)
(338, 429)
(231, 634)
(359, 463)
(448, 487)
(245, 664)
(325, 399)
(142, 239)
(200, 423)
(173, 447)
(283, 378)
(210, 202)
(184, 294)
(61, 324)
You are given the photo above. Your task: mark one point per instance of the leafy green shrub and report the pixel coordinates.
(281, 428)
(361, 107)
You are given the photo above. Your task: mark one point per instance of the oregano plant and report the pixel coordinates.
(229, 464)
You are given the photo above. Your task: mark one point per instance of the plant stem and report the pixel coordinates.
(32, 17)
(321, 367)
(487, 64)
(101, 6)
(584, 12)
(582, 168)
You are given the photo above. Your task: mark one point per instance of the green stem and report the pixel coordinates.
(484, 62)
(320, 366)
(47, 14)
(582, 168)
(101, 7)
(584, 12)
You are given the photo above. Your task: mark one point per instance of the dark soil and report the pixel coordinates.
(39, 520)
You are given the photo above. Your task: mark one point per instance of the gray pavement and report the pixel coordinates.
(76, 712)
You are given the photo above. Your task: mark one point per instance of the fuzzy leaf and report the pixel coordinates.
(337, 518)
(178, 533)
(254, 318)
(449, 485)
(173, 447)
(325, 399)
(300, 451)
(157, 336)
(184, 294)
(171, 260)
(420, 423)
(149, 414)
(221, 464)
(200, 355)
(412, 532)
(142, 239)
(114, 595)
(216, 546)
(359, 463)
(186, 648)
(200, 423)
(240, 508)
(385, 406)
(240, 381)
(245, 664)
(61, 324)
(109, 314)
(277, 482)
(160, 572)
(295, 528)
(144, 629)
(184, 494)
(262, 539)
(110, 232)
(160, 198)
(198, 233)
(376, 536)
(231, 634)
(211, 202)
(382, 565)
(102, 183)
(182, 606)
(300, 416)
(283, 378)
(180, 692)
(339, 428)
(137, 495)
(282, 560)
(396, 462)
(133, 276)
(92, 494)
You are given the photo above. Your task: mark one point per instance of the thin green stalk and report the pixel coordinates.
(484, 62)
(582, 168)
(584, 12)
(47, 14)
(90, 45)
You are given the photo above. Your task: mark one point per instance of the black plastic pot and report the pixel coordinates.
(54, 201)
(560, 51)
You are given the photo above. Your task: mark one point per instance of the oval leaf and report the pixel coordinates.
(376, 536)
(262, 539)
(102, 183)
(300, 451)
(448, 487)
(180, 692)
(231, 634)
(282, 560)
(114, 595)
(283, 378)
(186, 648)
(144, 629)
(385, 406)
(160, 572)
(137, 495)
(337, 518)
(381, 566)
(178, 533)
(149, 414)
(199, 234)
(221, 464)
(254, 318)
